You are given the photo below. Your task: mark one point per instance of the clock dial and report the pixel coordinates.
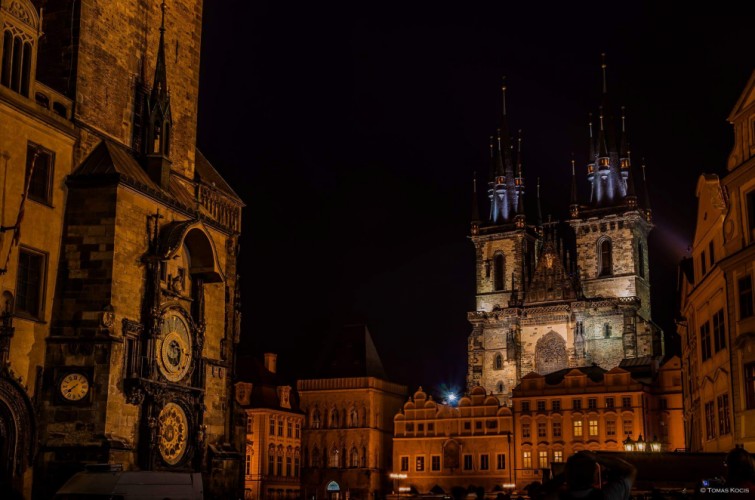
(174, 432)
(174, 347)
(74, 387)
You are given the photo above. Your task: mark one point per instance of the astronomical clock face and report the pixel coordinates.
(174, 433)
(173, 349)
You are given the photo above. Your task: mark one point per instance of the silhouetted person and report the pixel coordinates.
(582, 474)
(740, 469)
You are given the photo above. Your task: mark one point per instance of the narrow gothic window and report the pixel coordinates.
(606, 264)
(498, 364)
(499, 272)
(499, 387)
(607, 330)
(16, 63)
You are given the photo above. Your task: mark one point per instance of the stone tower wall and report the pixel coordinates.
(110, 47)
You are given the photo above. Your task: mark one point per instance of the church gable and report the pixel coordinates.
(711, 206)
(551, 282)
(742, 117)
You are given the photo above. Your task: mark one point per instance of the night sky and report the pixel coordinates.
(352, 133)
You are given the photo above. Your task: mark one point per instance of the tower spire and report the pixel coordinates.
(646, 194)
(520, 218)
(159, 128)
(539, 207)
(603, 67)
(475, 206)
(160, 84)
(574, 204)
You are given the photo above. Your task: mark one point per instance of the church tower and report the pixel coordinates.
(549, 300)
(612, 230)
(505, 248)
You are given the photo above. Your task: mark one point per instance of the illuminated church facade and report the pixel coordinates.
(561, 294)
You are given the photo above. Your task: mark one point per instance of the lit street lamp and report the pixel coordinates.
(641, 444)
(655, 445)
(397, 477)
(628, 444)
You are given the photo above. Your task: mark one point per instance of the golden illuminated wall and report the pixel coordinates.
(347, 434)
(436, 444)
(716, 319)
(592, 410)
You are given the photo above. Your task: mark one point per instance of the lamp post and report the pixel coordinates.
(641, 444)
(628, 444)
(397, 477)
(655, 445)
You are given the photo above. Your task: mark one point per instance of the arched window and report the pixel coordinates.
(641, 260)
(499, 387)
(334, 458)
(354, 457)
(353, 417)
(498, 272)
(315, 457)
(607, 330)
(333, 418)
(315, 419)
(605, 254)
(498, 362)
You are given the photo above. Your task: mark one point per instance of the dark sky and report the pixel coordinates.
(352, 133)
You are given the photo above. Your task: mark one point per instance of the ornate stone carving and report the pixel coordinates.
(550, 353)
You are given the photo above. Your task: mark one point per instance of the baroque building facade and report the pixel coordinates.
(348, 431)
(440, 447)
(590, 408)
(716, 299)
(561, 295)
(120, 284)
(272, 448)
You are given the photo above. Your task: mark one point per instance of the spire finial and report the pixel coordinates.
(162, 21)
(503, 94)
(600, 118)
(603, 67)
(539, 208)
(519, 153)
(574, 204)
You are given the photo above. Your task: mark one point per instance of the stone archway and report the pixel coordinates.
(17, 433)
(550, 353)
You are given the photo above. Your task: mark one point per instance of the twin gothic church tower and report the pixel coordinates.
(556, 295)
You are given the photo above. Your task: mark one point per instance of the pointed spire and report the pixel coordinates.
(475, 206)
(539, 207)
(631, 197)
(574, 204)
(592, 140)
(159, 128)
(520, 216)
(505, 139)
(646, 194)
(624, 148)
(160, 85)
(503, 94)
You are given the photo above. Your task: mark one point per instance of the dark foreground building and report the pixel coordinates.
(119, 281)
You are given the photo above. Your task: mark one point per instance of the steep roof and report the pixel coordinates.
(264, 385)
(110, 158)
(350, 352)
(207, 174)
